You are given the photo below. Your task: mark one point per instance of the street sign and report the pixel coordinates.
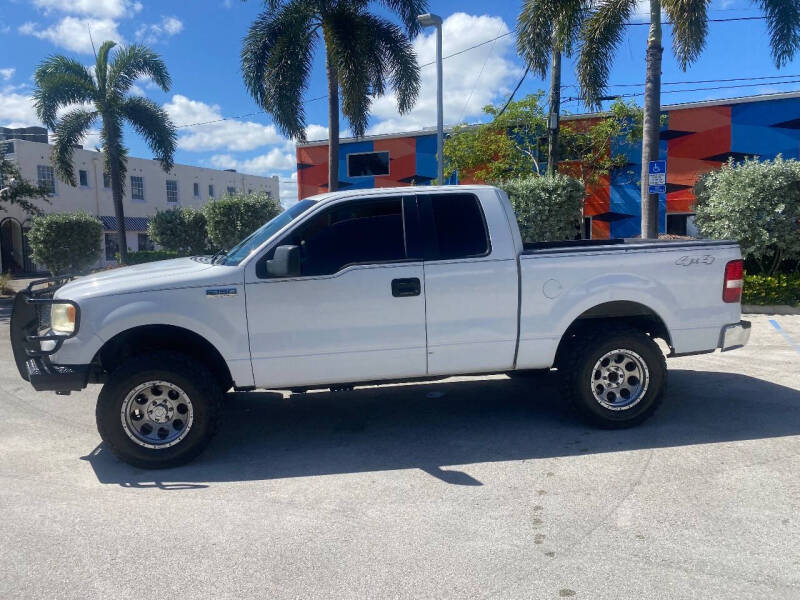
(657, 177)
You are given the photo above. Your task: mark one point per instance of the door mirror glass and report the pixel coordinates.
(285, 262)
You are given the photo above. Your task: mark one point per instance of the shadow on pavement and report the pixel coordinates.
(375, 429)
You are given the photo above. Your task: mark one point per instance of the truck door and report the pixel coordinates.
(356, 312)
(471, 284)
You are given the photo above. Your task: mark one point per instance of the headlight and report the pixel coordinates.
(62, 318)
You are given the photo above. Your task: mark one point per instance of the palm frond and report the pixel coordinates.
(154, 125)
(101, 64)
(408, 10)
(601, 34)
(60, 81)
(783, 22)
(535, 33)
(133, 62)
(368, 51)
(277, 56)
(68, 132)
(689, 28)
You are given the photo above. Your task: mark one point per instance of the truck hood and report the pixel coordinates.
(159, 275)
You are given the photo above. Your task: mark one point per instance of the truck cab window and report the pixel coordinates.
(356, 232)
(459, 226)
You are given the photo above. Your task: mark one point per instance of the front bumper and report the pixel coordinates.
(26, 327)
(734, 336)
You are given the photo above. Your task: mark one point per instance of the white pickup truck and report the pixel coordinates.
(372, 286)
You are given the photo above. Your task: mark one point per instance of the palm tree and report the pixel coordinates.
(64, 83)
(362, 52)
(602, 33)
(546, 29)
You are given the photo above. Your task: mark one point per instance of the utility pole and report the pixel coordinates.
(431, 20)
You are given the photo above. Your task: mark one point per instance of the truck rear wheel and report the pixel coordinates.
(615, 377)
(159, 411)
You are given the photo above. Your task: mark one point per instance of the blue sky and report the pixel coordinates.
(200, 41)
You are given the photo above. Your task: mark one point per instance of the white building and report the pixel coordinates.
(147, 189)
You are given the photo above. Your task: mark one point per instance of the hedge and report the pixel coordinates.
(66, 242)
(780, 289)
(181, 230)
(547, 208)
(236, 216)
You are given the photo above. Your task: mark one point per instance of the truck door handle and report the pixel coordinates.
(406, 287)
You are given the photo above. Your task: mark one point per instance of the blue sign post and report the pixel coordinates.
(657, 177)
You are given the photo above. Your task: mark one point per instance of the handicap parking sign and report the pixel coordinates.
(657, 177)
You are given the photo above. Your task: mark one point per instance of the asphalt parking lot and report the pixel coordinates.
(468, 488)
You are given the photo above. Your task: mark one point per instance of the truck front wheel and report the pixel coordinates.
(159, 410)
(616, 377)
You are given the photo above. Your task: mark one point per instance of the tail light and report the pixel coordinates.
(734, 279)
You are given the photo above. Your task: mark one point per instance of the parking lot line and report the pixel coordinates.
(785, 335)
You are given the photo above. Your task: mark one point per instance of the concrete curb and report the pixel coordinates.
(770, 309)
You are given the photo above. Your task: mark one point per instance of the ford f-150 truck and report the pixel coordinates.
(372, 286)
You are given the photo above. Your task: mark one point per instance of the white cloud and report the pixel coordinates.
(264, 164)
(16, 110)
(156, 32)
(108, 9)
(230, 134)
(464, 94)
(288, 189)
(72, 33)
(8, 73)
(316, 132)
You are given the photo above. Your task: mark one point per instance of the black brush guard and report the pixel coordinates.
(30, 320)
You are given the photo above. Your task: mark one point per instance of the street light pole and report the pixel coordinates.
(431, 20)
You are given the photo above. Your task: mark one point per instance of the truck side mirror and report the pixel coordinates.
(285, 262)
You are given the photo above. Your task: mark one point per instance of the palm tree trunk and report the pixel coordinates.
(651, 125)
(333, 121)
(555, 108)
(119, 212)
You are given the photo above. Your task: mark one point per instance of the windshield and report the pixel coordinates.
(243, 249)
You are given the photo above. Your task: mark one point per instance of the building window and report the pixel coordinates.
(9, 148)
(46, 178)
(196, 190)
(83, 178)
(210, 191)
(145, 243)
(137, 187)
(681, 225)
(367, 164)
(112, 246)
(106, 180)
(231, 190)
(172, 190)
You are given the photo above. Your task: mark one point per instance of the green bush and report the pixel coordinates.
(234, 217)
(66, 242)
(180, 230)
(547, 208)
(781, 289)
(146, 256)
(758, 205)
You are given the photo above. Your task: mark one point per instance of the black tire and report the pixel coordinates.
(193, 378)
(578, 379)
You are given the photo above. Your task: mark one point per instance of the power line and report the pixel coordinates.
(761, 78)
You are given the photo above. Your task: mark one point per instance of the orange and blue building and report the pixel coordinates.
(695, 138)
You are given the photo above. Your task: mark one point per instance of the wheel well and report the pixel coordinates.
(148, 338)
(620, 312)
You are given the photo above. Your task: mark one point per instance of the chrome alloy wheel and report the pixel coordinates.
(619, 379)
(157, 414)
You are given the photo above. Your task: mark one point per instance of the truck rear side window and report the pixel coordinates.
(360, 232)
(459, 226)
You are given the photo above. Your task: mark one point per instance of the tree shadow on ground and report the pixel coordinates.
(266, 436)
